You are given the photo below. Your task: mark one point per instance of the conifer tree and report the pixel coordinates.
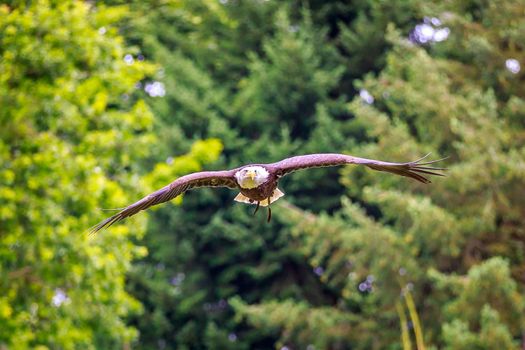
(460, 223)
(380, 261)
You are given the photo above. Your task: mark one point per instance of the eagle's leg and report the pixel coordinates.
(256, 208)
(269, 211)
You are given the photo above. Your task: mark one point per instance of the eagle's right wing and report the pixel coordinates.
(412, 169)
(182, 184)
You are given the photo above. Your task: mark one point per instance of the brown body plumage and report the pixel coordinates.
(264, 192)
(261, 192)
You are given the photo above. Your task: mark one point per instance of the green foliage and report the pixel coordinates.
(272, 79)
(283, 86)
(493, 334)
(487, 286)
(72, 136)
(353, 259)
(321, 327)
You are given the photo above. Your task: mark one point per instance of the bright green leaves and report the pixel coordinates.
(73, 135)
(58, 73)
(206, 151)
(202, 152)
(55, 64)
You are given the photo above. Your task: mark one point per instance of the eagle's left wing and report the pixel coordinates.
(224, 178)
(413, 169)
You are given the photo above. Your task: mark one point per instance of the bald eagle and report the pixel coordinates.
(258, 182)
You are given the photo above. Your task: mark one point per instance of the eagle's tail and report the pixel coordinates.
(277, 193)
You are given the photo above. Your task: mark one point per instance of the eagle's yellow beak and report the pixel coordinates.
(251, 174)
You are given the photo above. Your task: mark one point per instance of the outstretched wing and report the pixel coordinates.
(413, 169)
(167, 193)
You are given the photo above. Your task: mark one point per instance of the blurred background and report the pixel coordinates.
(102, 102)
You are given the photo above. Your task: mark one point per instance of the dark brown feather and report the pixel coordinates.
(412, 169)
(167, 193)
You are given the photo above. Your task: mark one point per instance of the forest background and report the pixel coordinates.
(103, 102)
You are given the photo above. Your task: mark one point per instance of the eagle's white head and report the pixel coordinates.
(251, 176)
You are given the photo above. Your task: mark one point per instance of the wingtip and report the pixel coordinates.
(104, 224)
(422, 168)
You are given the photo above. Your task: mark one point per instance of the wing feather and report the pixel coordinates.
(169, 192)
(412, 169)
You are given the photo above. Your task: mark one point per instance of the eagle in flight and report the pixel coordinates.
(257, 183)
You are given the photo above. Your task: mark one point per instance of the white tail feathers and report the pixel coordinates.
(275, 196)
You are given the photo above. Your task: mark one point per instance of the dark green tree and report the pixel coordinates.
(426, 98)
(381, 261)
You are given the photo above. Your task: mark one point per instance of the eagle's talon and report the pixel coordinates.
(269, 214)
(256, 208)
